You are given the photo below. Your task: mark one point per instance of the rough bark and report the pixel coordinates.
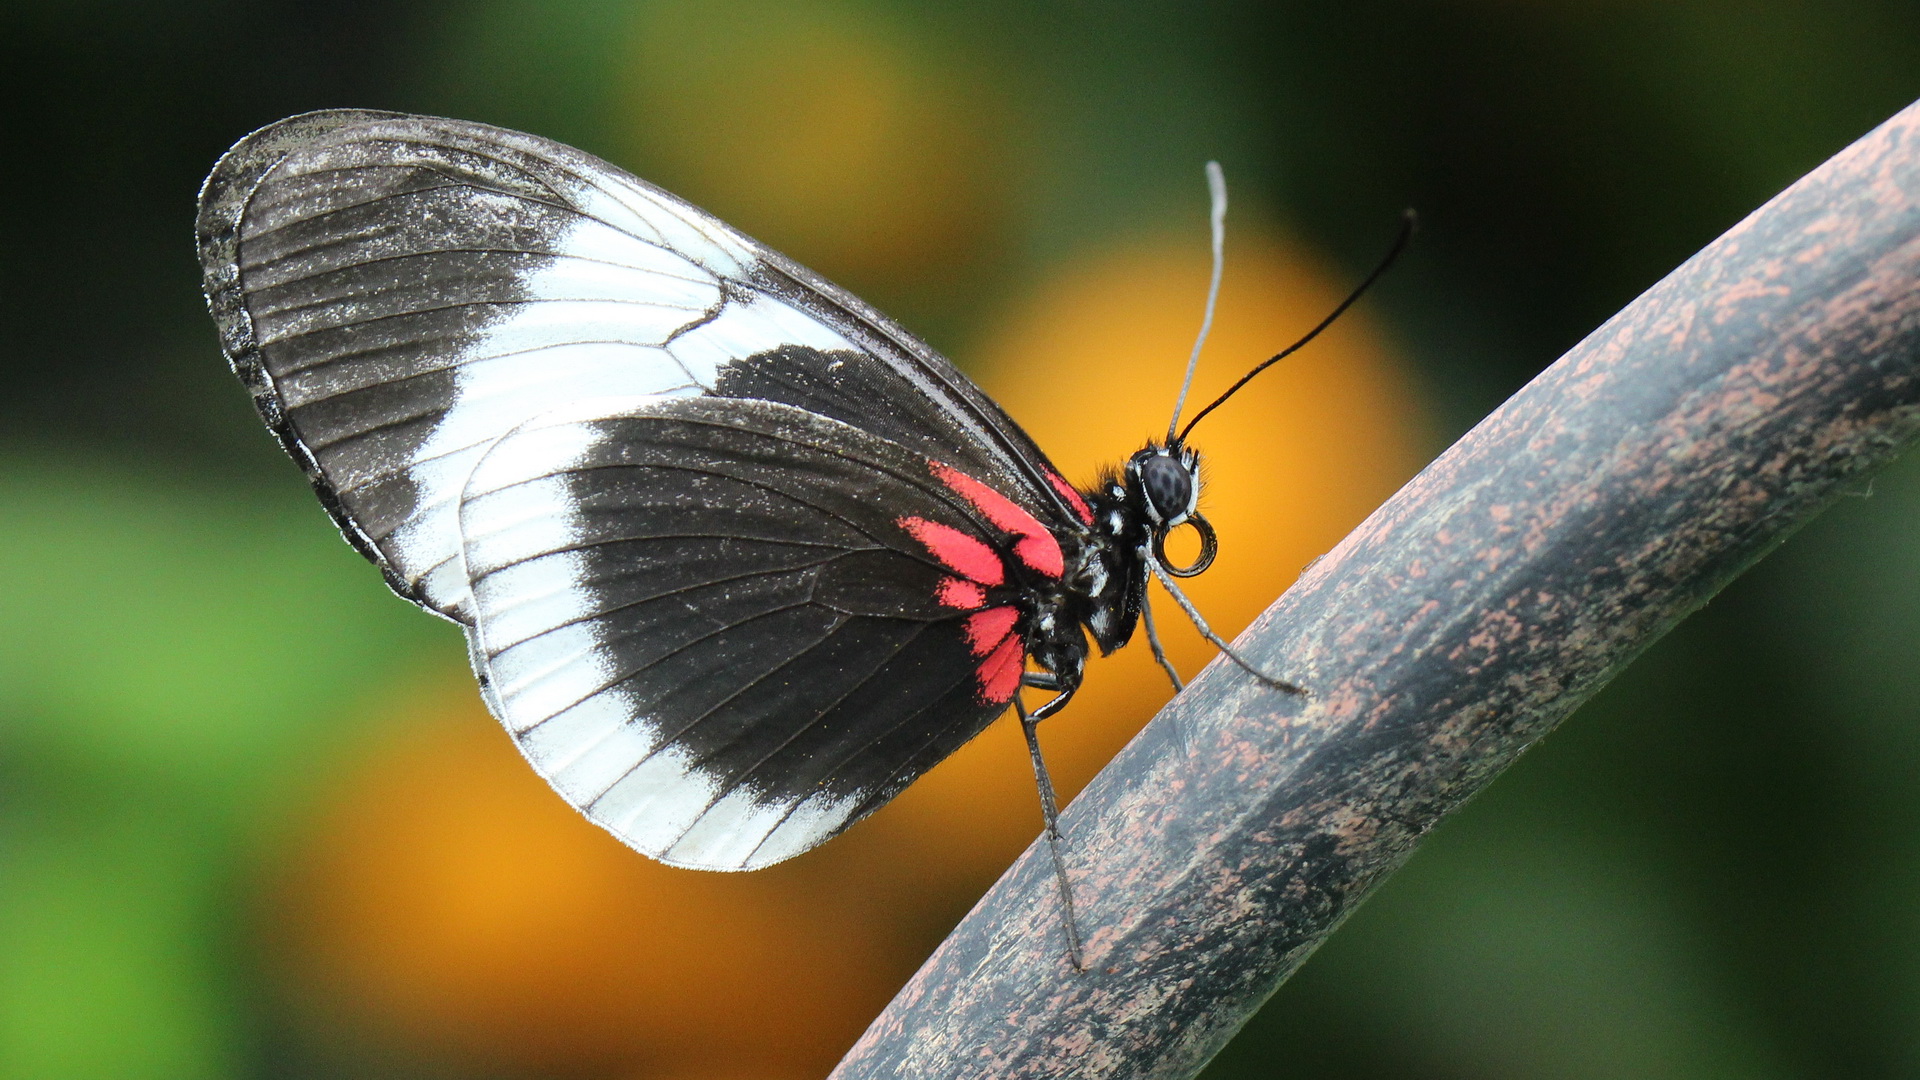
(1498, 590)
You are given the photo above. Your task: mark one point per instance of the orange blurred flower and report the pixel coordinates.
(823, 129)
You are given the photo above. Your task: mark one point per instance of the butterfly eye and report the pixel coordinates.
(1209, 547)
(1168, 487)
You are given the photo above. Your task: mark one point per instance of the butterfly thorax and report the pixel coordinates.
(1156, 490)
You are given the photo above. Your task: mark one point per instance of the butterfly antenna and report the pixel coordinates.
(1200, 624)
(1407, 223)
(1217, 188)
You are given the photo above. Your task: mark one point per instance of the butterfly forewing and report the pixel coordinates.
(400, 291)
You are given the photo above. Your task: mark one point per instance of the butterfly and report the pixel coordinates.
(737, 558)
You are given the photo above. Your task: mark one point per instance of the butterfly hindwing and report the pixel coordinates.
(727, 629)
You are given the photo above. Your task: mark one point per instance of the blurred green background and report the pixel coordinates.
(1712, 871)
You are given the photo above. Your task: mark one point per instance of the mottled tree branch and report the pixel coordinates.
(1486, 600)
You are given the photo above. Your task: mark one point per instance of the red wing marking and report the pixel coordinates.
(1000, 673)
(989, 628)
(963, 554)
(960, 593)
(1073, 498)
(1036, 546)
(1042, 553)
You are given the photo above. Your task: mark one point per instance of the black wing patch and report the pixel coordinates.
(726, 630)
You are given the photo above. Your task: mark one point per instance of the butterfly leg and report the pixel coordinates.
(1048, 681)
(1200, 624)
(1166, 665)
(1050, 810)
(1153, 642)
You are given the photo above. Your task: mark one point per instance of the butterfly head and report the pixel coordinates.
(1163, 484)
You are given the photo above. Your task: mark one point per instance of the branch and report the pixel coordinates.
(1497, 591)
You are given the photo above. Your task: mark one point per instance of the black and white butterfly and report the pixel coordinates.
(736, 556)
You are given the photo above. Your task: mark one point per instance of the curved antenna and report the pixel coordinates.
(1217, 188)
(1407, 222)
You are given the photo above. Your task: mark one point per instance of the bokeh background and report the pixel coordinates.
(254, 822)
